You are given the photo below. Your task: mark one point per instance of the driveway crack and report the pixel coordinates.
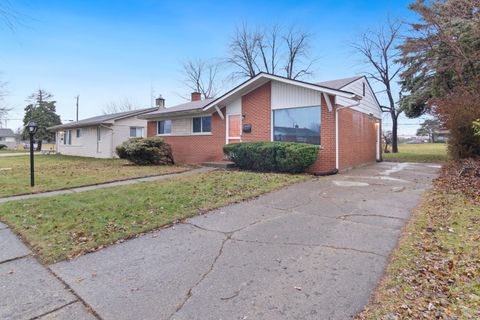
(310, 246)
(212, 265)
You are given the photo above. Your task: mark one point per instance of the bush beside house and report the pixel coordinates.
(144, 151)
(272, 156)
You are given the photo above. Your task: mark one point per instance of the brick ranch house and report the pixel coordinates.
(342, 116)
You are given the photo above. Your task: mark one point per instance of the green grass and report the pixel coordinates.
(65, 226)
(435, 269)
(53, 172)
(13, 151)
(426, 152)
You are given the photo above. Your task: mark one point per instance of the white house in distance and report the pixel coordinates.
(99, 136)
(8, 138)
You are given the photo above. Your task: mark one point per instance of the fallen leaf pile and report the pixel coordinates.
(461, 176)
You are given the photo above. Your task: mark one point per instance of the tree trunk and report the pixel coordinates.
(394, 134)
(39, 145)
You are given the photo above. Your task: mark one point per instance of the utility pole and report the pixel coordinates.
(77, 105)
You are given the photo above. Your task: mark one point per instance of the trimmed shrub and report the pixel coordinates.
(144, 151)
(3, 146)
(289, 157)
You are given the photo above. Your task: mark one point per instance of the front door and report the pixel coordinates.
(234, 128)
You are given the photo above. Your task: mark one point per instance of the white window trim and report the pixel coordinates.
(271, 121)
(164, 134)
(201, 133)
(136, 127)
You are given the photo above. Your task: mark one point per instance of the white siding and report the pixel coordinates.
(86, 144)
(182, 127)
(121, 130)
(288, 96)
(235, 107)
(368, 104)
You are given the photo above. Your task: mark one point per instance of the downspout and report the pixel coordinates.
(337, 165)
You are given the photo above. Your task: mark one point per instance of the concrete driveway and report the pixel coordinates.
(314, 250)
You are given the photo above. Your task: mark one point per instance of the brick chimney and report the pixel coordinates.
(160, 102)
(196, 96)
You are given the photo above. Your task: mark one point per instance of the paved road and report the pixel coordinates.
(314, 250)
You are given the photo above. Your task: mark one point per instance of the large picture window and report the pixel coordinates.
(202, 124)
(164, 127)
(297, 125)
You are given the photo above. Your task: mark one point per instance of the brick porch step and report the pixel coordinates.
(219, 164)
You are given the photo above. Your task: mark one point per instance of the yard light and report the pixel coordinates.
(32, 129)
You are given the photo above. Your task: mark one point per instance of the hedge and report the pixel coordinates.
(289, 157)
(145, 151)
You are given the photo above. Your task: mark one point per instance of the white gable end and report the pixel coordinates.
(368, 104)
(285, 95)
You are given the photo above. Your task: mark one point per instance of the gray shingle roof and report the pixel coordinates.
(180, 108)
(101, 119)
(196, 106)
(4, 132)
(338, 83)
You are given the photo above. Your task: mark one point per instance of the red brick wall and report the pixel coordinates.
(326, 157)
(256, 107)
(196, 149)
(151, 128)
(356, 143)
(357, 138)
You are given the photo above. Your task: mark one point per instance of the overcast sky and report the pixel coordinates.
(109, 51)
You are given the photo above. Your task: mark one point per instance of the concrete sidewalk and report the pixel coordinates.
(106, 185)
(28, 290)
(14, 154)
(314, 250)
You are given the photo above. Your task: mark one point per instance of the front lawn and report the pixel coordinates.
(424, 152)
(68, 225)
(435, 272)
(53, 172)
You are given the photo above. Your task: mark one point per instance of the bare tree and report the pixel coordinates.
(4, 109)
(7, 14)
(200, 76)
(297, 49)
(115, 107)
(253, 51)
(244, 52)
(380, 53)
(268, 45)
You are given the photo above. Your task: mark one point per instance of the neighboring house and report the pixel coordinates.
(8, 138)
(441, 135)
(343, 116)
(98, 136)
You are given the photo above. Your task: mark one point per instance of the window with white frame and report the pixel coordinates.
(79, 133)
(164, 127)
(67, 137)
(202, 124)
(297, 125)
(136, 132)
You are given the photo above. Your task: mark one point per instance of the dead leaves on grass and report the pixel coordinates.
(435, 273)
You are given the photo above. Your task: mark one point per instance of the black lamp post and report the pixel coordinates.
(32, 129)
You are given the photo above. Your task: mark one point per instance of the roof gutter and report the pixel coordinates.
(171, 114)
